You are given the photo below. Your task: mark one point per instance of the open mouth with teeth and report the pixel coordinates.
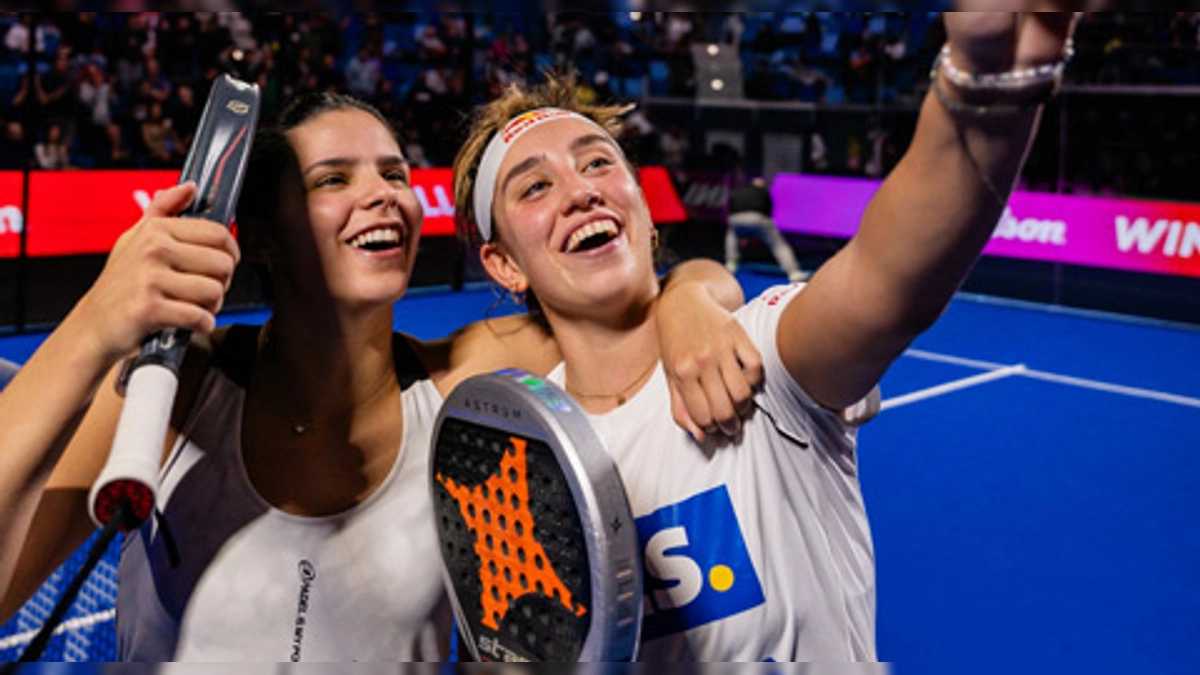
(383, 239)
(592, 236)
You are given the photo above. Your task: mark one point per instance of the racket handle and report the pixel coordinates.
(132, 469)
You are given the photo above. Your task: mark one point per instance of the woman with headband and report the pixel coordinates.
(756, 548)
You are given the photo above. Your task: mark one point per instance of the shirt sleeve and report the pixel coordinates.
(791, 409)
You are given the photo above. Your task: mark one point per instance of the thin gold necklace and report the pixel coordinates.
(301, 427)
(620, 395)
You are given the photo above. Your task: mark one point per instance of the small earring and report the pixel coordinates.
(653, 238)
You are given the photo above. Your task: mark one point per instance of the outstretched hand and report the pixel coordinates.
(993, 42)
(163, 272)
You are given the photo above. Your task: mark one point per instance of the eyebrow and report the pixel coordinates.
(342, 162)
(575, 146)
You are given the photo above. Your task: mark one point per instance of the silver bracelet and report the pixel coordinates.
(1009, 81)
(993, 110)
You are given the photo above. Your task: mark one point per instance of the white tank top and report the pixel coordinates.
(257, 584)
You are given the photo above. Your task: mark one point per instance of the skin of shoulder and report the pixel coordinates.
(516, 341)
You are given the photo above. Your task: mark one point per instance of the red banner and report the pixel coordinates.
(84, 212)
(11, 220)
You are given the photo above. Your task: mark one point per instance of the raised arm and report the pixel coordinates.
(924, 229)
(57, 416)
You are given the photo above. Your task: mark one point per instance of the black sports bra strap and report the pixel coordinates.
(237, 353)
(409, 369)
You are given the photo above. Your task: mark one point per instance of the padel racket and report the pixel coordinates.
(217, 163)
(539, 548)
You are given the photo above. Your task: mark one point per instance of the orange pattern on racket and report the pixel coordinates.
(513, 562)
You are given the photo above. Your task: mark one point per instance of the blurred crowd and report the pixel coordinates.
(120, 90)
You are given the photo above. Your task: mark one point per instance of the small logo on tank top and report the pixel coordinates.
(308, 573)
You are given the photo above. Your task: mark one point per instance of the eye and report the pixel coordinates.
(598, 162)
(396, 176)
(330, 180)
(534, 188)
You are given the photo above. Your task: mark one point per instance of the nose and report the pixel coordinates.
(582, 195)
(381, 193)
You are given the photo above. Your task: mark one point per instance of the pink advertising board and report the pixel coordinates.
(1123, 234)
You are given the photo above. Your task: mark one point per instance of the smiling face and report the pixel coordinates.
(350, 222)
(571, 221)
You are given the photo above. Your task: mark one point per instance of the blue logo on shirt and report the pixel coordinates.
(697, 567)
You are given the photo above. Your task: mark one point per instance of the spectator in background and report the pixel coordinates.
(129, 54)
(184, 112)
(53, 151)
(162, 144)
(158, 87)
(13, 153)
(115, 153)
(329, 76)
(55, 91)
(750, 214)
(673, 145)
(17, 37)
(23, 104)
(641, 136)
(177, 47)
(97, 99)
(363, 73)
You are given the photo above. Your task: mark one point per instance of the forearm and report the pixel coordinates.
(40, 411)
(930, 220)
(706, 277)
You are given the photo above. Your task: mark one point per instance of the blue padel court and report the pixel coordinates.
(1033, 484)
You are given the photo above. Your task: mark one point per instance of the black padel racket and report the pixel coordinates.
(539, 548)
(217, 163)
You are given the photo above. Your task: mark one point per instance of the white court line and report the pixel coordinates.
(78, 623)
(955, 360)
(1136, 392)
(956, 385)
(1022, 371)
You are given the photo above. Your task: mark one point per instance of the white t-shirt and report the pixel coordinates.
(756, 550)
(258, 584)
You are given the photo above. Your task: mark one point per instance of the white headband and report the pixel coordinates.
(493, 157)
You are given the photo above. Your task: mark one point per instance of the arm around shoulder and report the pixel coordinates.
(516, 341)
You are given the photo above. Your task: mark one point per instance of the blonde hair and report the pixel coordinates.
(558, 91)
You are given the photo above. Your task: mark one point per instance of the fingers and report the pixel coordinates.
(992, 42)
(163, 272)
(749, 361)
(172, 200)
(692, 405)
(716, 399)
(721, 403)
(679, 411)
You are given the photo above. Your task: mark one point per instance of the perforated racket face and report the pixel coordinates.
(518, 566)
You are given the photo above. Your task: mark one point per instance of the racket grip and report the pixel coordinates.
(132, 469)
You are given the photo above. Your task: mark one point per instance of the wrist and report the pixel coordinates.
(1011, 91)
(88, 336)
